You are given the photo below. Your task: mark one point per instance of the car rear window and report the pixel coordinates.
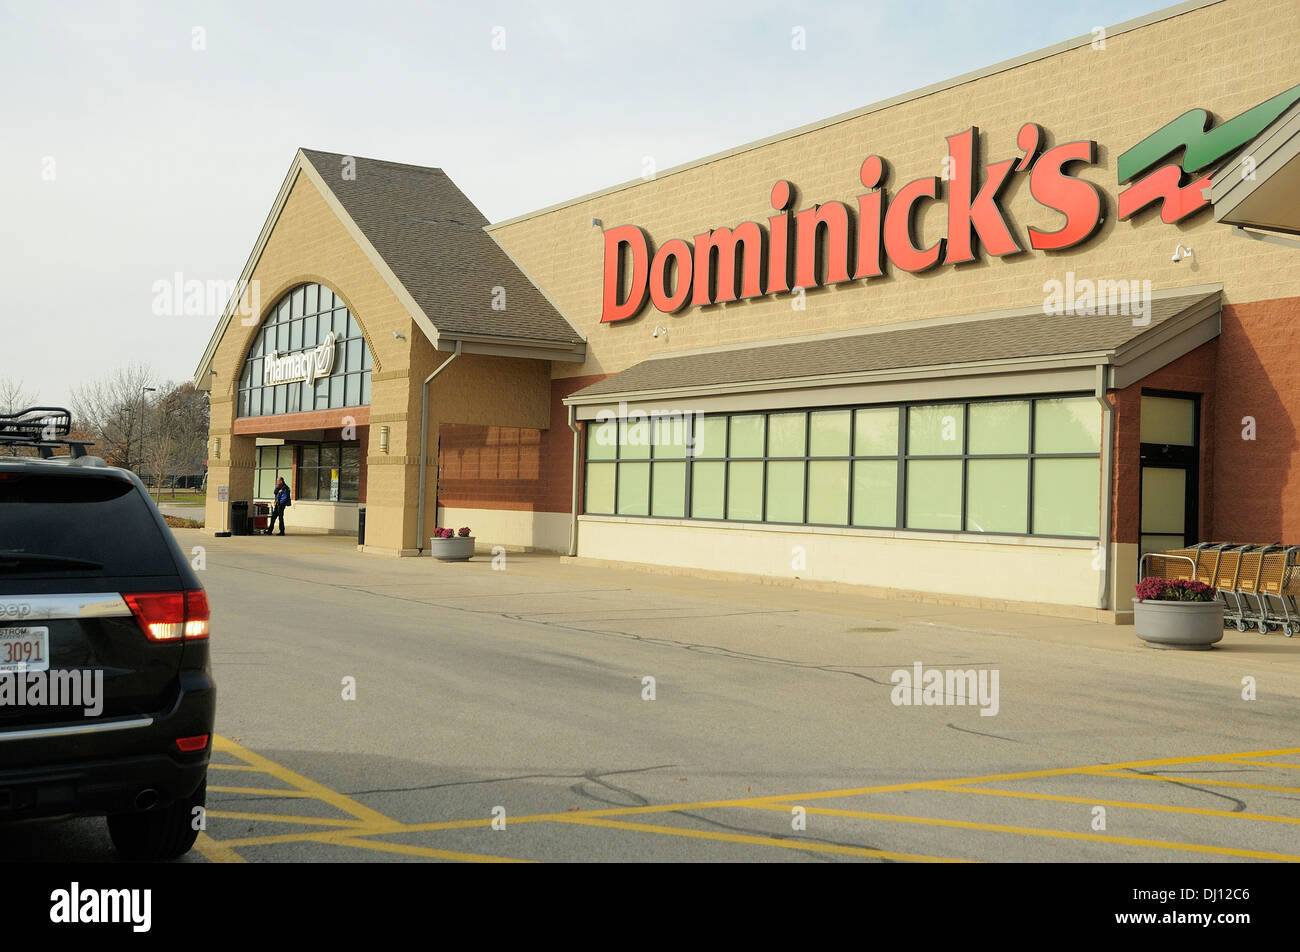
(92, 518)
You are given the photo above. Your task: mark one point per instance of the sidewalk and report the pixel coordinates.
(558, 576)
(1235, 647)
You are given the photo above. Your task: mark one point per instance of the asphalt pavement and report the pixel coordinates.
(374, 709)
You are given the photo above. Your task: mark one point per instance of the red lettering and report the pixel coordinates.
(832, 219)
(900, 243)
(970, 213)
(724, 281)
(778, 260)
(871, 251)
(1077, 200)
(665, 300)
(615, 306)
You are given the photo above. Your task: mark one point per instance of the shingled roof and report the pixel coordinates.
(970, 342)
(431, 237)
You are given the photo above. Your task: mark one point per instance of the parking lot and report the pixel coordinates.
(375, 710)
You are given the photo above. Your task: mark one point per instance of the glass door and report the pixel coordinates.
(1169, 488)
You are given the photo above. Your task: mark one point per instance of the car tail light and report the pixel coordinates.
(189, 745)
(170, 616)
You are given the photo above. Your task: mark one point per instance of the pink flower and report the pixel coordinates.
(1155, 589)
(463, 531)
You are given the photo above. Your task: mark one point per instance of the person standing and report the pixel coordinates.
(282, 502)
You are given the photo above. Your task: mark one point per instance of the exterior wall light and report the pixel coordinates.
(383, 439)
(216, 447)
(1181, 252)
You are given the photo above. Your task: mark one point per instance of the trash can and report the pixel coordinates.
(361, 525)
(239, 517)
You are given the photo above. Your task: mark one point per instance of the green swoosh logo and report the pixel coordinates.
(1203, 148)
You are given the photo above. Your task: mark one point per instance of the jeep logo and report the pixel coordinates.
(15, 610)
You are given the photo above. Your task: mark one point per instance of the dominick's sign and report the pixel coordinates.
(832, 243)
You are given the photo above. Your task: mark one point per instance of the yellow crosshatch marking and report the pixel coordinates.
(357, 824)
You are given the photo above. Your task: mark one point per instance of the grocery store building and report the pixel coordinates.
(981, 343)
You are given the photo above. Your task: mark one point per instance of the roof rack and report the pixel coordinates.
(45, 428)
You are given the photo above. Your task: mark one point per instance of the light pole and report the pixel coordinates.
(143, 391)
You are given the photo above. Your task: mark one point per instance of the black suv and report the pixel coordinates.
(106, 693)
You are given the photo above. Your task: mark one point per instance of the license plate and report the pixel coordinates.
(24, 649)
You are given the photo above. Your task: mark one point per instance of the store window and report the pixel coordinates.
(309, 354)
(1008, 467)
(328, 472)
(272, 462)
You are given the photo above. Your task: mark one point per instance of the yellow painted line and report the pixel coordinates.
(1265, 763)
(215, 851)
(233, 767)
(373, 823)
(484, 821)
(1035, 831)
(319, 836)
(850, 792)
(277, 818)
(309, 787)
(586, 814)
(411, 850)
(260, 791)
(579, 819)
(1127, 804)
(1203, 781)
(1050, 772)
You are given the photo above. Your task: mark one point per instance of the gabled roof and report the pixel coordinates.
(432, 238)
(428, 242)
(1024, 341)
(1266, 194)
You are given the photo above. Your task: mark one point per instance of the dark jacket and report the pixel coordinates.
(282, 497)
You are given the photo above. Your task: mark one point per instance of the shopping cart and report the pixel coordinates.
(1259, 585)
(1276, 589)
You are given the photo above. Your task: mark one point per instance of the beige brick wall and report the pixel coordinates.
(309, 243)
(1225, 58)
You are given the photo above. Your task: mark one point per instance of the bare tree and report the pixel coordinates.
(159, 449)
(176, 437)
(113, 410)
(15, 396)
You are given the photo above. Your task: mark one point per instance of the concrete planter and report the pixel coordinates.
(459, 549)
(1189, 626)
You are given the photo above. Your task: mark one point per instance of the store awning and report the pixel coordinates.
(1020, 351)
(1261, 189)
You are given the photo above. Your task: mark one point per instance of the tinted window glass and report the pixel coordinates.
(82, 517)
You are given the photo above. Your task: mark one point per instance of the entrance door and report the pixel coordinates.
(1170, 453)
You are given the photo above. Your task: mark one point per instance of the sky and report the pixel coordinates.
(143, 140)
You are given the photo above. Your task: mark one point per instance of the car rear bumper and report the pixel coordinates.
(109, 766)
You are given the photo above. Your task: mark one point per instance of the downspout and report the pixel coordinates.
(1107, 486)
(424, 445)
(577, 441)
